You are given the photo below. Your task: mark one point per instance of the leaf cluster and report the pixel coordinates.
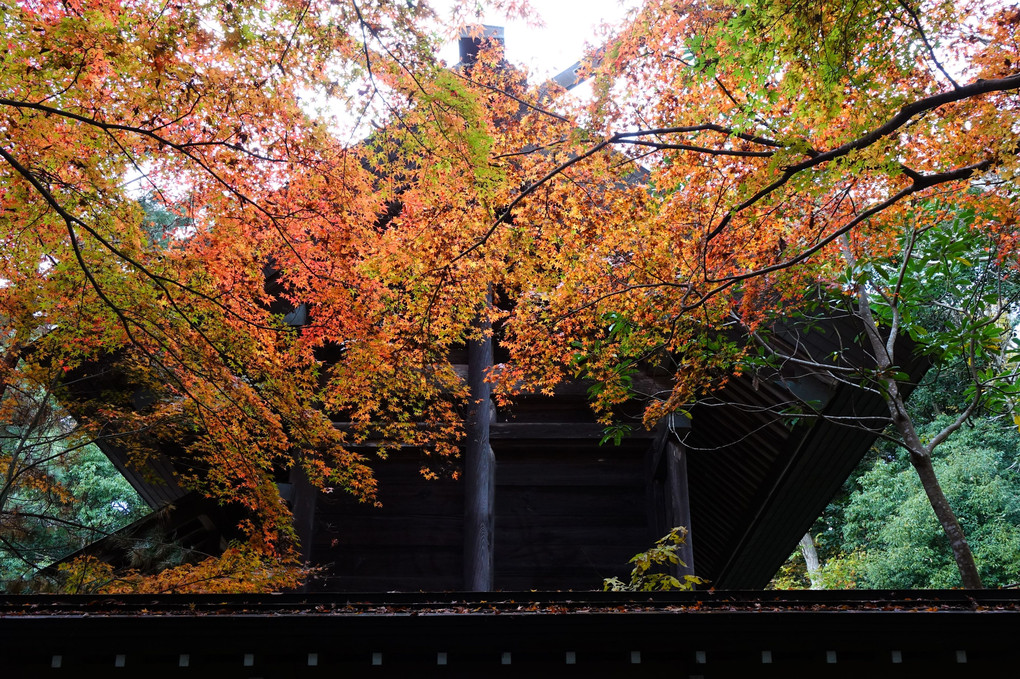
(644, 578)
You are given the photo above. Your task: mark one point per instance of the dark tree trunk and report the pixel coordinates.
(920, 459)
(970, 579)
(920, 455)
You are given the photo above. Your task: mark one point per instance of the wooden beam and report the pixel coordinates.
(643, 384)
(679, 508)
(479, 463)
(559, 430)
(669, 427)
(531, 430)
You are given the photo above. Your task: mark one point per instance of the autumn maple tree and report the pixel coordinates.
(209, 111)
(801, 151)
(734, 155)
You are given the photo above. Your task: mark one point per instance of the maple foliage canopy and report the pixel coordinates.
(728, 146)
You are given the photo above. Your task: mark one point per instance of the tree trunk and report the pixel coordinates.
(970, 579)
(807, 548)
(920, 455)
(920, 459)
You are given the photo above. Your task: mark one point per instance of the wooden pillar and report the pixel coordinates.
(479, 464)
(679, 507)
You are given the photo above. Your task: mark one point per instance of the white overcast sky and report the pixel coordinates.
(569, 24)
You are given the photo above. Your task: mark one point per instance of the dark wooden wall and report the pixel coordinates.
(413, 542)
(567, 515)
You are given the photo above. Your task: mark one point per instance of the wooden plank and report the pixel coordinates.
(384, 583)
(547, 558)
(578, 581)
(576, 451)
(397, 561)
(509, 522)
(400, 495)
(414, 531)
(535, 429)
(525, 429)
(579, 389)
(547, 409)
(568, 534)
(590, 472)
(558, 430)
(577, 501)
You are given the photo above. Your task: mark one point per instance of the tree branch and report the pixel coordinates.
(902, 117)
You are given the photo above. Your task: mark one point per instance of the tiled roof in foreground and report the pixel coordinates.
(704, 634)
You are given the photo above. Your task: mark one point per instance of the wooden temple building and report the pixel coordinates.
(499, 571)
(501, 578)
(543, 504)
